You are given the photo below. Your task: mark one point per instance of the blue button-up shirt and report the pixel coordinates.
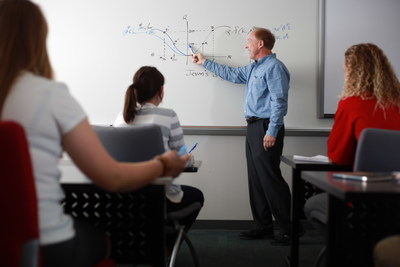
(267, 86)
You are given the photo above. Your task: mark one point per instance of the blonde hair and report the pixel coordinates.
(23, 33)
(369, 74)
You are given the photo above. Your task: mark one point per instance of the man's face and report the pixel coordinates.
(252, 46)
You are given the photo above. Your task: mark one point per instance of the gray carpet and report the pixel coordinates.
(224, 248)
(221, 248)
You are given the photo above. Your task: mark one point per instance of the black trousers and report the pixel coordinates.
(269, 192)
(190, 195)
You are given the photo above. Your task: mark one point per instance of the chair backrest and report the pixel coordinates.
(19, 231)
(131, 144)
(378, 151)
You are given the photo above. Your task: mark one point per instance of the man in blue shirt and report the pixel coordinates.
(265, 105)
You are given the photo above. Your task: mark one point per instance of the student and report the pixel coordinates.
(370, 99)
(54, 121)
(267, 85)
(142, 100)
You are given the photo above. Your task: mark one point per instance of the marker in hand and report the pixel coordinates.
(191, 50)
(193, 147)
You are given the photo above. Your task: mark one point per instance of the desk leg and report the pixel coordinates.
(297, 196)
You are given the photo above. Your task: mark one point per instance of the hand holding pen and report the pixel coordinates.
(182, 151)
(197, 58)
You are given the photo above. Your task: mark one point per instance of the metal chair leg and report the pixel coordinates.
(176, 246)
(192, 250)
(320, 257)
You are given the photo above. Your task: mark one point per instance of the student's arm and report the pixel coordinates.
(85, 149)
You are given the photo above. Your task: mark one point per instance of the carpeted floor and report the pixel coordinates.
(223, 248)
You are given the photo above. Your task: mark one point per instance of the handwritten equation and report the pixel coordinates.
(174, 43)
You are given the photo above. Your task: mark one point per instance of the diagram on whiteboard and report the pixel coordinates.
(177, 45)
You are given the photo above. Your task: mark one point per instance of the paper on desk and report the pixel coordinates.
(317, 158)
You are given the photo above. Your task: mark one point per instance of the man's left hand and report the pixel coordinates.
(268, 142)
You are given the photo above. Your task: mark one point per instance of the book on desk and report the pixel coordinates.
(367, 176)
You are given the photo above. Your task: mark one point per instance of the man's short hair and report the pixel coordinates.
(265, 35)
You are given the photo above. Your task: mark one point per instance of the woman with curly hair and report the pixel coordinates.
(370, 99)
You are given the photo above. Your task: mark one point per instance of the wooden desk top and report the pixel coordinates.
(345, 189)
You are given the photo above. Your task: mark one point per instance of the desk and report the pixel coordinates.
(359, 215)
(135, 221)
(194, 168)
(71, 174)
(300, 192)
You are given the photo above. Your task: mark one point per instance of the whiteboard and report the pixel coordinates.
(348, 22)
(96, 46)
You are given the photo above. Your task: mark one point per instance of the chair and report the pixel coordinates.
(180, 230)
(135, 221)
(19, 225)
(377, 151)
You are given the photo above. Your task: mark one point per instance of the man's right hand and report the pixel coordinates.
(198, 59)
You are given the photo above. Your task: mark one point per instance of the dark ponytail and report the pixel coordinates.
(130, 104)
(147, 83)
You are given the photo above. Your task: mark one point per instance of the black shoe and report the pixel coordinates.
(259, 233)
(281, 240)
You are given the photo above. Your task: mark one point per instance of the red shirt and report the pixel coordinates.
(352, 116)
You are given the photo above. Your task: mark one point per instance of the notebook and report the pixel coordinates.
(365, 176)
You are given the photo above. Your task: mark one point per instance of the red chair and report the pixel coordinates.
(19, 231)
(19, 227)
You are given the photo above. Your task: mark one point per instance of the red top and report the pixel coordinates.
(352, 116)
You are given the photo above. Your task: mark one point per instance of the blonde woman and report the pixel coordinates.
(370, 99)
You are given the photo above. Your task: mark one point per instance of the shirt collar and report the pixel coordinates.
(148, 105)
(262, 60)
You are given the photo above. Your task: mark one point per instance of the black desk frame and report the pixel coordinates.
(134, 221)
(301, 191)
(357, 218)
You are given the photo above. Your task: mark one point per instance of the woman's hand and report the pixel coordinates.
(173, 164)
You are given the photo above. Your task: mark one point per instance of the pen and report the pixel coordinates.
(182, 150)
(193, 147)
(191, 49)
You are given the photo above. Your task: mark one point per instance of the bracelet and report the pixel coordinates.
(163, 164)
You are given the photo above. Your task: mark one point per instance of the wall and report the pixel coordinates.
(361, 21)
(223, 176)
(91, 53)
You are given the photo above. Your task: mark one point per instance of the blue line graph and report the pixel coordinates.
(178, 47)
(155, 33)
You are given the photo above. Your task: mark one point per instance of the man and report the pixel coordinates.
(266, 96)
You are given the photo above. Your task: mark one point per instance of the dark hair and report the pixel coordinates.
(23, 33)
(265, 35)
(147, 83)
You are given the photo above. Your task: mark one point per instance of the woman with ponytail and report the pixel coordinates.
(142, 100)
